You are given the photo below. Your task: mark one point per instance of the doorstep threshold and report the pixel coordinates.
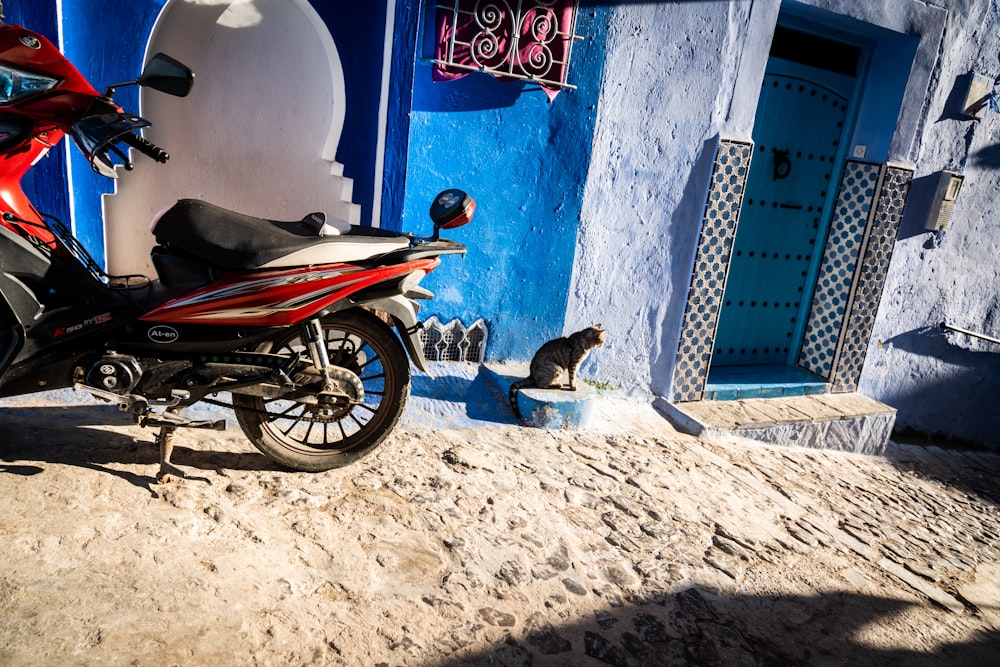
(848, 422)
(730, 383)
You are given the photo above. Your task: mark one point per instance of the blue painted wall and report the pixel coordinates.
(105, 51)
(404, 53)
(525, 161)
(45, 185)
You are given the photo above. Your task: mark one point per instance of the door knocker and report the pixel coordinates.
(782, 164)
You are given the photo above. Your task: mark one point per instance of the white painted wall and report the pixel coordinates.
(677, 75)
(259, 131)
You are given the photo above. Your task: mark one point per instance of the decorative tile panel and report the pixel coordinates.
(867, 292)
(839, 267)
(453, 341)
(708, 280)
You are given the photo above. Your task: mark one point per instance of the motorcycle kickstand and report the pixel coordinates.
(165, 439)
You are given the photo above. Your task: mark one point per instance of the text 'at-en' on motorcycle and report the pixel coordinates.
(295, 320)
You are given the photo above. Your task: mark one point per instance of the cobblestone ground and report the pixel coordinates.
(495, 545)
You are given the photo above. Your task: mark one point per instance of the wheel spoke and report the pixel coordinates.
(366, 407)
(291, 407)
(300, 431)
(343, 349)
(297, 421)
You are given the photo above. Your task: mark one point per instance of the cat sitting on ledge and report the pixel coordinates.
(555, 357)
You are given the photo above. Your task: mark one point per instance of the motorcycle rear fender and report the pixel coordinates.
(403, 312)
(284, 297)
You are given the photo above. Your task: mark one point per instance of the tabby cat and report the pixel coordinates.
(556, 356)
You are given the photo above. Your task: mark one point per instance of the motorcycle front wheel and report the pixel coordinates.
(315, 436)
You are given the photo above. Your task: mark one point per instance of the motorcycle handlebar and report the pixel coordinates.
(147, 148)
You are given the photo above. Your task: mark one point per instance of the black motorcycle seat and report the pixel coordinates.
(231, 240)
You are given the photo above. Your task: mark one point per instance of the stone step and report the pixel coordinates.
(848, 422)
(546, 408)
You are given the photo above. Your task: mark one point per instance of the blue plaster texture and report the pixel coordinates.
(589, 207)
(678, 74)
(693, 73)
(525, 161)
(674, 79)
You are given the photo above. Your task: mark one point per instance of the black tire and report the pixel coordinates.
(306, 437)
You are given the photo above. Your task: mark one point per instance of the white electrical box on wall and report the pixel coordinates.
(977, 96)
(943, 204)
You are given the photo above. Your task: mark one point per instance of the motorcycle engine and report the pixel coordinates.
(114, 372)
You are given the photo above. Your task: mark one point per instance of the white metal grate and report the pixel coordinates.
(454, 341)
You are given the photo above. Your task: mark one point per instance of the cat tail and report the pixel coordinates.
(514, 388)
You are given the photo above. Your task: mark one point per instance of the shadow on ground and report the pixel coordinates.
(85, 436)
(457, 399)
(694, 627)
(973, 472)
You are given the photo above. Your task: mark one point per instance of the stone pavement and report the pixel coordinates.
(467, 540)
(768, 556)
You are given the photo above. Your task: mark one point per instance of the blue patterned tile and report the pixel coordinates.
(849, 284)
(867, 292)
(839, 266)
(718, 228)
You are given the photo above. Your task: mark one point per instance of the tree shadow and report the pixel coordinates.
(696, 627)
(80, 436)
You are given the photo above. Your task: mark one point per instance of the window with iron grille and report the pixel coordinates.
(510, 39)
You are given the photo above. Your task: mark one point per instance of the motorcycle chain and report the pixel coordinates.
(323, 419)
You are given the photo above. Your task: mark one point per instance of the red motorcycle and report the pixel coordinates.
(294, 320)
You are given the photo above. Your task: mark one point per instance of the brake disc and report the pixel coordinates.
(336, 403)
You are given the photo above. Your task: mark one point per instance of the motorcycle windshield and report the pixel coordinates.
(95, 135)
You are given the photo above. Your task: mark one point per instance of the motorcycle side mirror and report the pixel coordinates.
(451, 208)
(161, 73)
(167, 75)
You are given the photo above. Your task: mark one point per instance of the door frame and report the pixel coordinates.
(780, 66)
(839, 332)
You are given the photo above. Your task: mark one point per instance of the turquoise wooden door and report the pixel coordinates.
(801, 116)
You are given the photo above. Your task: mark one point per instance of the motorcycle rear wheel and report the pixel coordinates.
(309, 437)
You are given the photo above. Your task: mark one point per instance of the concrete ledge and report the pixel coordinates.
(847, 422)
(546, 408)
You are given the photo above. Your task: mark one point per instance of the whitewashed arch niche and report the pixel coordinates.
(258, 133)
